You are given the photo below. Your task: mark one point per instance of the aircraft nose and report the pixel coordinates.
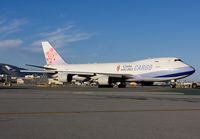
(191, 69)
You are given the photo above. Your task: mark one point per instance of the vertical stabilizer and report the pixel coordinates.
(51, 56)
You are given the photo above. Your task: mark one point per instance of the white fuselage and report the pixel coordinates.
(150, 70)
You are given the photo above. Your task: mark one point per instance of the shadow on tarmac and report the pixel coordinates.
(185, 91)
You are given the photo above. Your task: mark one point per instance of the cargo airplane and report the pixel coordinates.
(144, 72)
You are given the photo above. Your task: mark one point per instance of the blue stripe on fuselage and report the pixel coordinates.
(184, 71)
(176, 74)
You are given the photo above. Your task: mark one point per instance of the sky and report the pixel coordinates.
(97, 31)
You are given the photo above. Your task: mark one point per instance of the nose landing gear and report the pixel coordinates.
(173, 84)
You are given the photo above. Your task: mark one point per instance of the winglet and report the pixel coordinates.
(51, 56)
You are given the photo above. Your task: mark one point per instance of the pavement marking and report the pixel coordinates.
(103, 111)
(5, 119)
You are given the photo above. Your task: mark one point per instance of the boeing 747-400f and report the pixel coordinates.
(106, 74)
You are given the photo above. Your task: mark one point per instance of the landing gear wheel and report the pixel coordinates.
(172, 85)
(105, 86)
(122, 86)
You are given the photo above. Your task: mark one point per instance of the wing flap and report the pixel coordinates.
(37, 71)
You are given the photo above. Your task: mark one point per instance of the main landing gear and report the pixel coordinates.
(122, 85)
(105, 86)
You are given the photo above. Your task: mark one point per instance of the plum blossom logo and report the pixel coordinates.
(51, 55)
(118, 67)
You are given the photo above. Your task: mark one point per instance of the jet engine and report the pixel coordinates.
(103, 80)
(63, 77)
(79, 78)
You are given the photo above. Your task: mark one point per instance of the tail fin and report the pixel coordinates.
(51, 56)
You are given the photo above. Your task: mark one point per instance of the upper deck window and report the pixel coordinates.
(177, 60)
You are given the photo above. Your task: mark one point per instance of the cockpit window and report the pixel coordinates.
(177, 60)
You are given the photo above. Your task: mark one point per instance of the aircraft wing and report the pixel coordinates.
(85, 74)
(55, 71)
(37, 71)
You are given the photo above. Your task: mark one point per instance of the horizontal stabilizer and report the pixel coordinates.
(40, 67)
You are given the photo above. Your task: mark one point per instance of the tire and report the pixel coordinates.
(172, 85)
(105, 86)
(194, 85)
(121, 86)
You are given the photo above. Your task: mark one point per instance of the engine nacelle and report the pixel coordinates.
(63, 77)
(104, 80)
(78, 78)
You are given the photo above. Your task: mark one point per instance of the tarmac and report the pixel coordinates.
(96, 113)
